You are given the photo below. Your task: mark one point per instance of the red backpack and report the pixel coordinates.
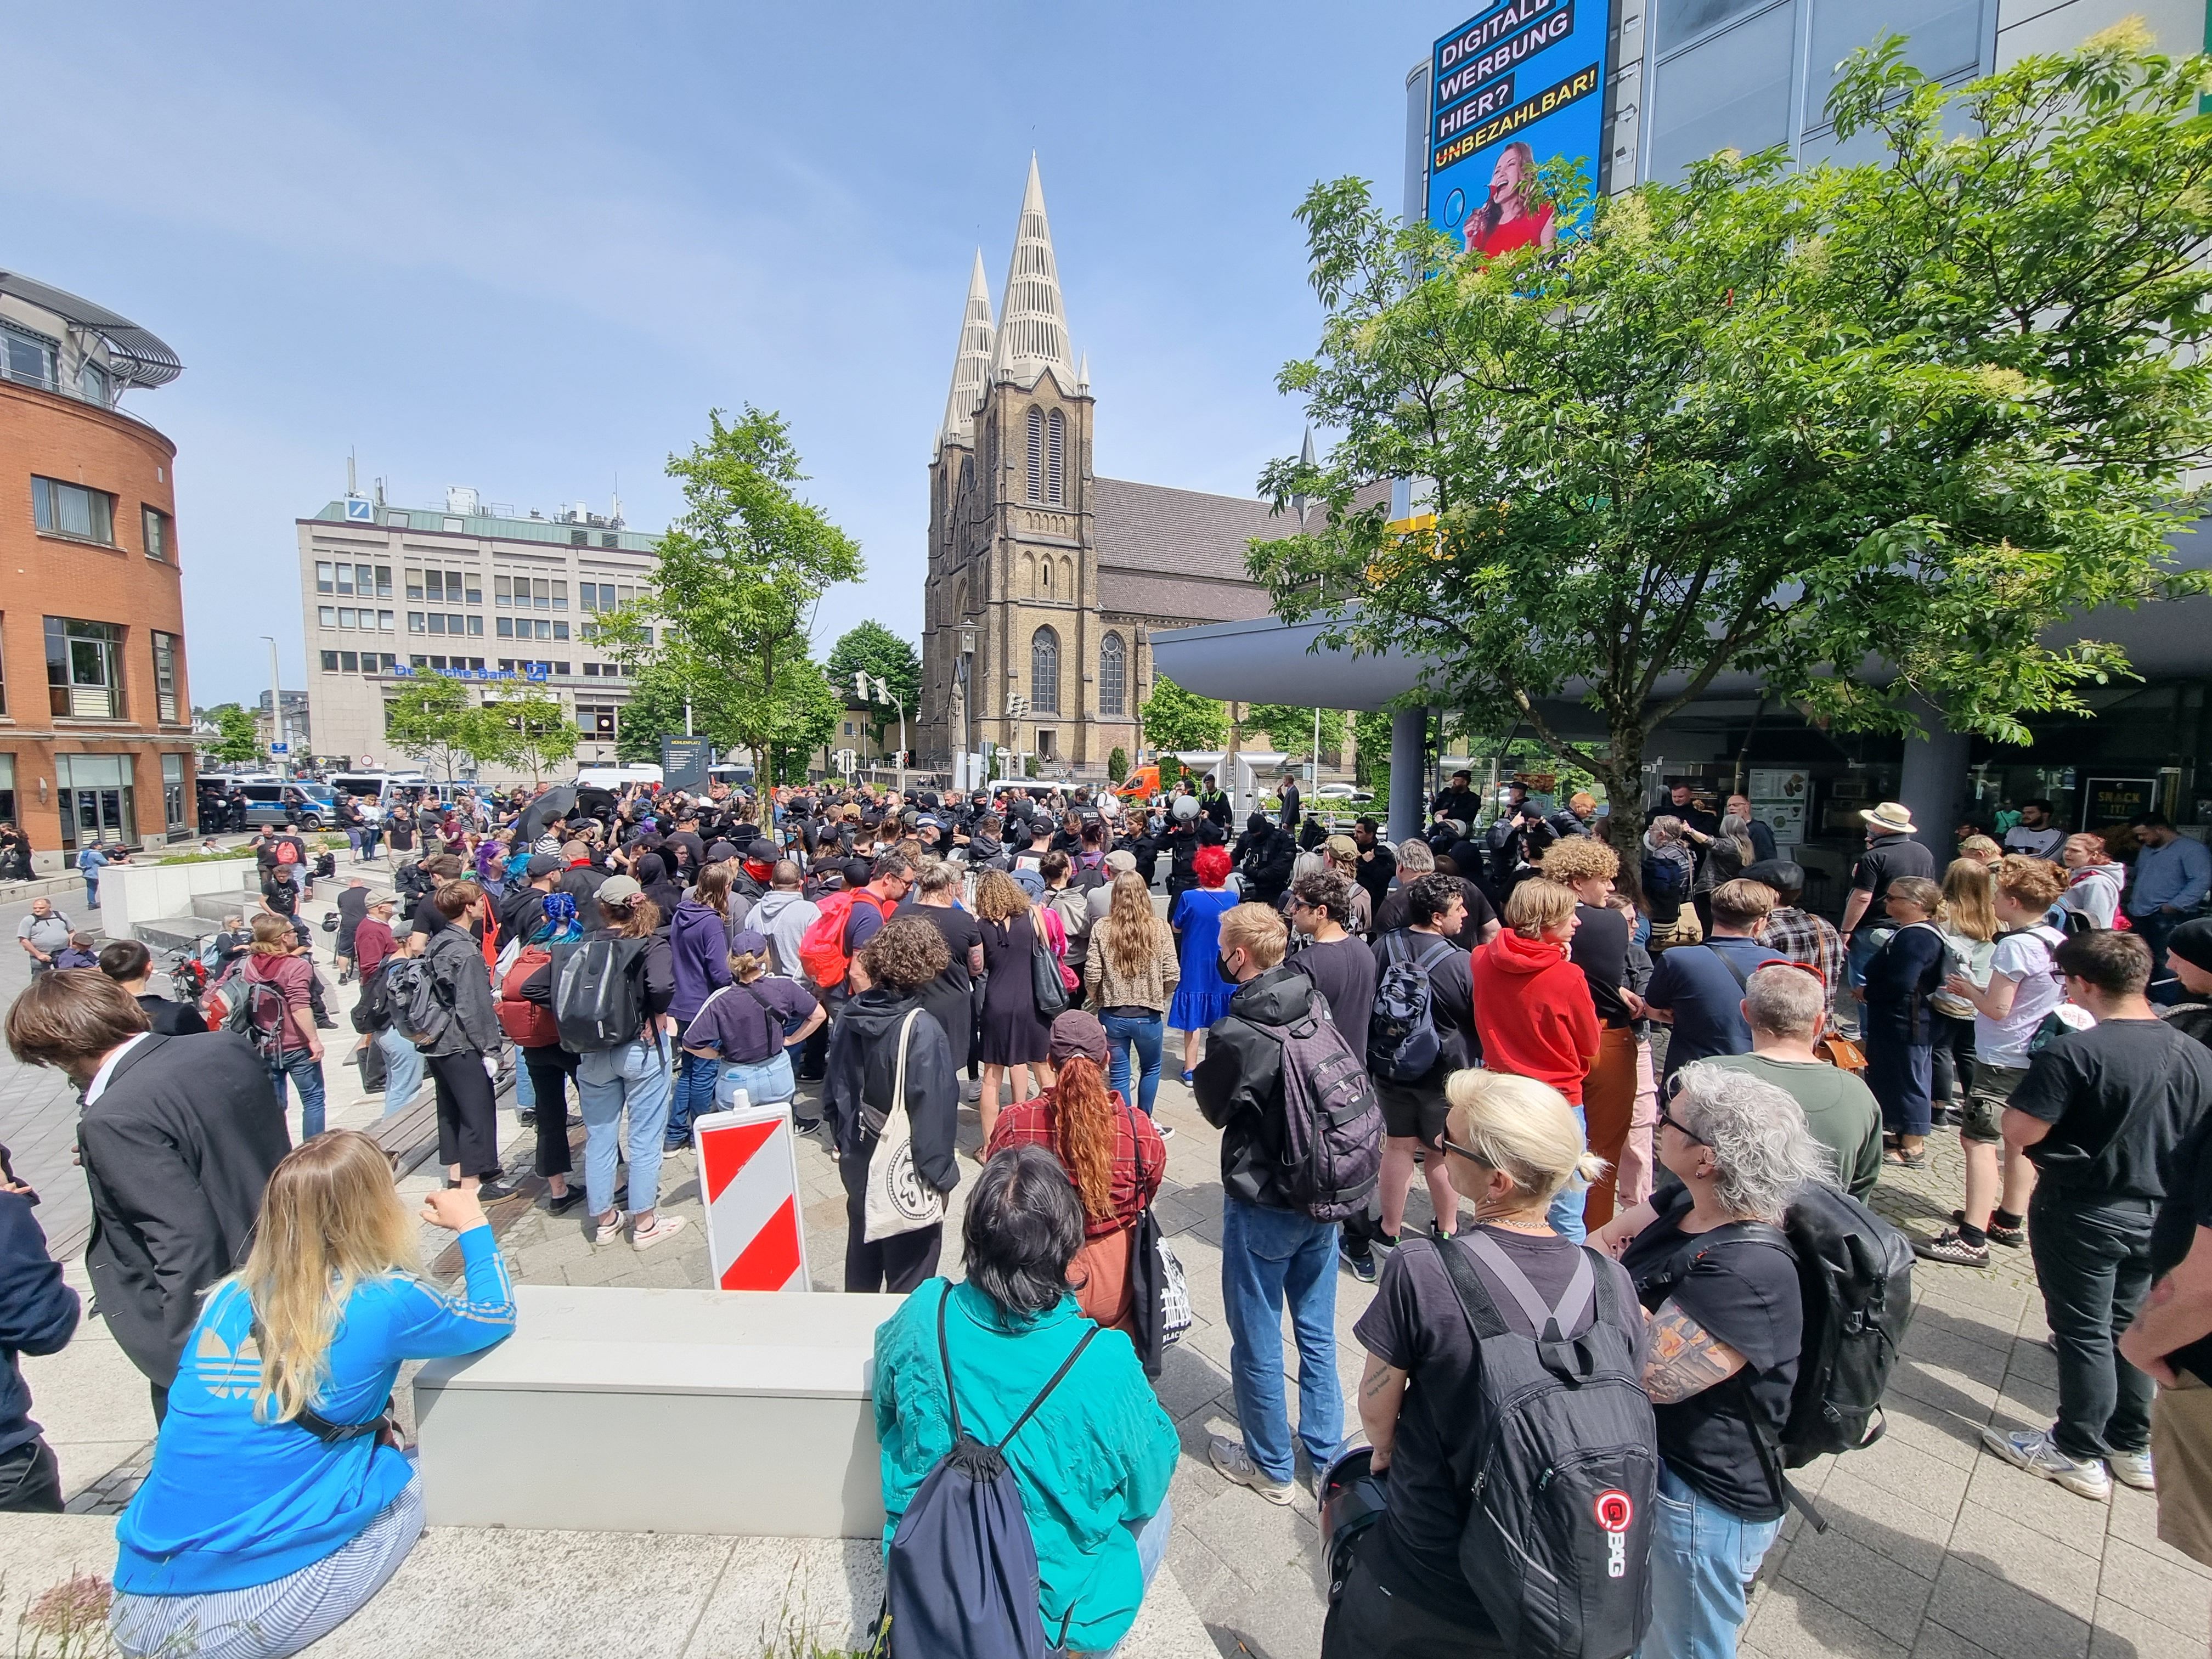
(822, 948)
(530, 1024)
(286, 853)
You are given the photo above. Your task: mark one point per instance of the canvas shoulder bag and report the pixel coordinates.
(898, 1200)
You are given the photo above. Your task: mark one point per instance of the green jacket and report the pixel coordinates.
(1097, 1456)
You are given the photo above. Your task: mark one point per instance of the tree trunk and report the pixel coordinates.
(1623, 791)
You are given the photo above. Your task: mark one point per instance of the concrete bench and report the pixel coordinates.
(704, 1411)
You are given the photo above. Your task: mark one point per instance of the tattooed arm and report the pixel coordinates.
(1382, 1390)
(1682, 1357)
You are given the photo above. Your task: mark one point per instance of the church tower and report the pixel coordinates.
(1011, 597)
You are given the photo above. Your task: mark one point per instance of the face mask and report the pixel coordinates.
(1226, 971)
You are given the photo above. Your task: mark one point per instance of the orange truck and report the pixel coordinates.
(1141, 785)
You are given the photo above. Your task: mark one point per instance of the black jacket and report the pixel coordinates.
(172, 1019)
(1239, 1084)
(38, 1313)
(176, 1151)
(863, 1066)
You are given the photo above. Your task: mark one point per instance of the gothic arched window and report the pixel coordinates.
(1044, 578)
(1044, 672)
(1036, 454)
(1055, 449)
(1113, 675)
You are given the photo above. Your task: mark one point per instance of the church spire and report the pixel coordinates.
(1032, 327)
(971, 364)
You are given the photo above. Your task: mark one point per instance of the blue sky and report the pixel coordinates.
(524, 247)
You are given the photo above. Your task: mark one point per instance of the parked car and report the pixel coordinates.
(302, 801)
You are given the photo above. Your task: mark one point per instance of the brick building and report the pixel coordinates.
(96, 717)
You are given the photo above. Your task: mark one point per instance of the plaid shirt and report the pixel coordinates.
(1030, 1124)
(1806, 938)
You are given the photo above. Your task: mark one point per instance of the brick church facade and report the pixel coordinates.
(1046, 580)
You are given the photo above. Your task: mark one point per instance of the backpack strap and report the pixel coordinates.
(951, 1394)
(1553, 1324)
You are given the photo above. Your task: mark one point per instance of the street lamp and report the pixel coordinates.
(277, 747)
(862, 681)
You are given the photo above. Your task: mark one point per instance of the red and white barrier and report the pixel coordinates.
(749, 1176)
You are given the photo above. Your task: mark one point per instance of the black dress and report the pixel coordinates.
(1012, 1033)
(949, 996)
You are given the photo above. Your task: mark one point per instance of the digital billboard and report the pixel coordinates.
(1517, 84)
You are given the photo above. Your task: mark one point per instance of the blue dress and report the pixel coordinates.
(1202, 994)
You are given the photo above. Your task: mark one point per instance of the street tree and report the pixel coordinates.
(535, 731)
(1290, 728)
(1868, 433)
(432, 719)
(237, 740)
(741, 573)
(874, 649)
(1172, 718)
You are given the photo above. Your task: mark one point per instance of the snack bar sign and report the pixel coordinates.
(1513, 87)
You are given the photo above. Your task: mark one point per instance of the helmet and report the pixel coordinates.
(1185, 808)
(1351, 1500)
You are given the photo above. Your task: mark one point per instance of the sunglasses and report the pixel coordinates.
(1671, 1121)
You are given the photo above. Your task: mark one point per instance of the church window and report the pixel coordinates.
(1056, 447)
(1045, 578)
(1036, 454)
(1044, 672)
(1113, 675)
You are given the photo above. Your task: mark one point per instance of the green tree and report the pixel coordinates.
(1918, 411)
(1371, 754)
(655, 710)
(533, 730)
(741, 574)
(433, 719)
(1172, 718)
(1117, 765)
(1290, 728)
(237, 738)
(884, 656)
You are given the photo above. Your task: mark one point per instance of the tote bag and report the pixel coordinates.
(898, 1200)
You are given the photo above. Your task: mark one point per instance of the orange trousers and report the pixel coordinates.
(1608, 1107)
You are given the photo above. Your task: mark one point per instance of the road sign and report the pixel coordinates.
(749, 1173)
(280, 748)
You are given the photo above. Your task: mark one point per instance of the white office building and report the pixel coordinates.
(480, 593)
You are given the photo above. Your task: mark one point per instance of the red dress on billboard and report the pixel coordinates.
(1510, 233)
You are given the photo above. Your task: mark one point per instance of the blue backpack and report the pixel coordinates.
(961, 1580)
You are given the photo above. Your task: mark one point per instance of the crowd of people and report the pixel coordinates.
(1599, 1072)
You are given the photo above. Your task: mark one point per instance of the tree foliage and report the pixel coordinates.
(1868, 433)
(741, 574)
(1172, 718)
(884, 656)
(432, 719)
(1290, 728)
(237, 737)
(533, 730)
(1117, 765)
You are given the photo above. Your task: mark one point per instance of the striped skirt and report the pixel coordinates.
(271, 1620)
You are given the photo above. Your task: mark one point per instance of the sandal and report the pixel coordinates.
(1903, 1159)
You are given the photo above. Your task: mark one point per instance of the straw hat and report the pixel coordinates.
(1891, 817)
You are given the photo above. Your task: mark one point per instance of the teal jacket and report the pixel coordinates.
(1098, 1455)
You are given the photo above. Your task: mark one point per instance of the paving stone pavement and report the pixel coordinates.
(1935, 1549)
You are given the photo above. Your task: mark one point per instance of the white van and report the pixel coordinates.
(617, 777)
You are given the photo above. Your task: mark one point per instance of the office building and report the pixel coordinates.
(497, 599)
(95, 716)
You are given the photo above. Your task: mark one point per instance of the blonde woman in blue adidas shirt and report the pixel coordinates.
(269, 1517)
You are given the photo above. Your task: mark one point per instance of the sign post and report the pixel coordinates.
(749, 1179)
(683, 763)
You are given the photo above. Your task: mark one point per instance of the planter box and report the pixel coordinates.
(132, 893)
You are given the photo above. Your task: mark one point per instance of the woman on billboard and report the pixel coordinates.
(1515, 216)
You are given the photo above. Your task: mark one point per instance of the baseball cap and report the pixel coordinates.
(541, 864)
(1122, 861)
(619, 889)
(761, 850)
(1343, 846)
(748, 941)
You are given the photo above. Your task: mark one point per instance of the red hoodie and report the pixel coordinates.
(1533, 1013)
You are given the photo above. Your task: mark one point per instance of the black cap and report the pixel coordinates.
(1780, 874)
(762, 851)
(542, 864)
(2192, 943)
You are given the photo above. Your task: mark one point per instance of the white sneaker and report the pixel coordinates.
(665, 1227)
(2031, 1449)
(2133, 1469)
(610, 1226)
(1235, 1463)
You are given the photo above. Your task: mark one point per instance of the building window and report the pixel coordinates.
(92, 383)
(167, 707)
(560, 630)
(597, 720)
(383, 621)
(68, 509)
(1113, 675)
(608, 538)
(580, 538)
(346, 615)
(4, 699)
(27, 357)
(474, 593)
(1055, 448)
(84, 669)
(1036, 454)
(414, 622)
(97, 805)
(541, 595)
(326, 616)
(476, 625)
(383, 572)
(504, 627)
(351, 661)
(1044, 578)
(155, 523)
(173, 794)
(326, 577)
(413, 584)
(502, 591)
(560, 596)
(330, 662)
(1044, 672)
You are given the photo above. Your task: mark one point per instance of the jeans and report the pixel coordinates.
(694, 1093)
(1152, 1549)
(306, 1074)
(1703, 1559)
(2093, 1255)
(92, 892)
(526, 1087)
(402, 1070)
(1269, 1257)
(763, 1084)
(1870, 937)
(1565, 1214)
(635, 1076)
(1141, 1038)
(2153, 929)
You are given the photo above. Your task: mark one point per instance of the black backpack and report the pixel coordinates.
(1855, 1277)
(372, 1013)
(1402, 1044)
(1566, 1461)
(255, 1010)
(599, 1002)
(961, 1579)
(1332, 1120)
